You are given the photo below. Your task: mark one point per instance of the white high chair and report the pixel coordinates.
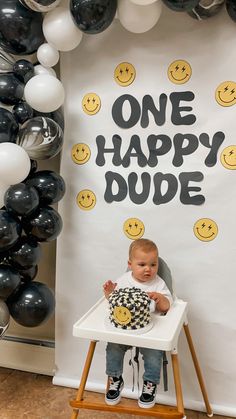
(164, 335)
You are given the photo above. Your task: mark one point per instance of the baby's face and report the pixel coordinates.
(144, 265)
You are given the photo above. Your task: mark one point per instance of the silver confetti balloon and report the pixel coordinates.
(4, 318)
(41, 138)
(6, 61)
(40, 5)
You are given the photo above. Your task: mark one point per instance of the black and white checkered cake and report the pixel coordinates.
(129, 308)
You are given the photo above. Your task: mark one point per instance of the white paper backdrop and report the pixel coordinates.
(93, 247)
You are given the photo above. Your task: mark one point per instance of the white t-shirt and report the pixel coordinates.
(154, 285)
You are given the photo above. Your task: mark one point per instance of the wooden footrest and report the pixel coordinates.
(95, 401)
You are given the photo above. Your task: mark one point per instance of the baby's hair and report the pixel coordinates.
(145, 245)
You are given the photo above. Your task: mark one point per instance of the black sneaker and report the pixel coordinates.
(115, 386)
(147, 398)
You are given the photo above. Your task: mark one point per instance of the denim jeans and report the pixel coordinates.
(152, 361)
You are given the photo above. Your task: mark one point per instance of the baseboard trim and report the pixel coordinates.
(27, 357)
(163, 399)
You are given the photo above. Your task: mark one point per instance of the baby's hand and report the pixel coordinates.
(108, 288)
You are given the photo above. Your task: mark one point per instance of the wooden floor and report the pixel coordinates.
(31, 396)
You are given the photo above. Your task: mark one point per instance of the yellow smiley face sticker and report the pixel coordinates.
(91, 103)
(80, 153)
(179, 72)
(228, 157)
(133, 228)
(205, 229)
(226, 93)
(124, 74)
(122, 315)
(86, 200)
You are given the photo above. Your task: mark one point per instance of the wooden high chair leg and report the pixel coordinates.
(178, 388)
(198, 371)
(84, 376)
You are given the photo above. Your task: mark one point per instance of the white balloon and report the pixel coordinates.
(136, 18)
(14, 163)
(60, 30)
(40, 69)
(44, 93)
(47, 55)
(143, 2)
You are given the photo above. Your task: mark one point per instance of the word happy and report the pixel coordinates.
(166, 185)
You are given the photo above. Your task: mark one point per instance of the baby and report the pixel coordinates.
(143, 265)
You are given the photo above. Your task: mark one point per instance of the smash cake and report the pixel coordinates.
(129, 309)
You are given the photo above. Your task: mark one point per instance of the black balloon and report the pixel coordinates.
(26, 253)
(44, 225)
(21, 199)
(93, 16)
(42, 138)
(27, 275)
(56, 115)
(49, 185)
(22, 112)
(20, 29)
(23, 70)
(9, 281)
(32, 305)
(181, 5)
(11, 89)
(33, 166)
(8, 126)
(231, 9)
(10, 230)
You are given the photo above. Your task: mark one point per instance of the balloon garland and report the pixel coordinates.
(31, 128)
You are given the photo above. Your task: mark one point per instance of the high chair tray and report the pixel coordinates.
(163, 335)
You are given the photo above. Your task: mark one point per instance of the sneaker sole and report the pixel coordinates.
(146, 405)
(113, 402)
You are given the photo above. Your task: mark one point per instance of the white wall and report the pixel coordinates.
(93, 247)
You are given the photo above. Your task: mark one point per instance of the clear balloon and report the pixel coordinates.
(143, 18)
(22, 112)
(21, 199)
(14, 163)
(21, 29)
(47, 55)
(26, 253)
(10, 230)
(9, 281)
(11, 89)
(231, 9)
(41, 138)
(44, 225)
(93, 16)
(32, 305)
(206, 9)
(49, 185)
(57, 116)
(8, 126)
(40, 5)
(6, 61)
(44, 93)
(60, 30)
(181, 5)
(23, 70)
(4, 318)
